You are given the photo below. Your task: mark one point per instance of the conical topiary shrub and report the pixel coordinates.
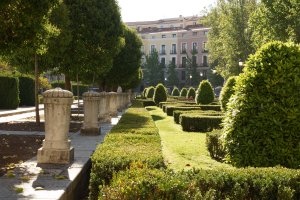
(227, 92)
(183, 92)
(145, 92)
(160, 94)
(262, 122)
(205, 93)
(175, 92)
(150, 92)
(191, 93)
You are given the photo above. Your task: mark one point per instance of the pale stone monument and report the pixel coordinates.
(91, 112)
(103, 115)
(56, 147)
(113, 104)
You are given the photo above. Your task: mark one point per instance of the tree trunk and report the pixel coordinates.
(77, 93)
(36, 90)
(67, 83)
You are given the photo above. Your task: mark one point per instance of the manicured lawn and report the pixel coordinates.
(182, 150)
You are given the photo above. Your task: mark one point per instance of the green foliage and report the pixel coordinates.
(134, 139)
(227, 92)
(175, 92)
(172, 75)
(153, 73)
(251, 183)
(187, 110)
(170, 109)
(160, 94)
(82, 89)
(147, 102)
(229, 38)
(9, 92)
(183, 92)
(199, 122)
(262, 122)
(191, 93)
(60, 84)
(205, 93)
(150, 92)
(145, 92)
(26, 87)
(215, 145)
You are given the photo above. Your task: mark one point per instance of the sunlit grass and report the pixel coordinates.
(182, 150)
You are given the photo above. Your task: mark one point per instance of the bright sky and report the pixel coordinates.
(147, 10)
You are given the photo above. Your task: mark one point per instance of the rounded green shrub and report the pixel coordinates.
(175, 92)
(261, 126)
(160, 94)
(145, 92)
(191, 93)
(150, 92)
(183, 92)
(227, 92)
(205, 93)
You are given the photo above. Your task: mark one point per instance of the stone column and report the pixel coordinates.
(103, 115)
(91, 107)
(113, 104)
(56, 145)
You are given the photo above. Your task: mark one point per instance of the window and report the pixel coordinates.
(163, 36)
(183, 62)
(204, 60)
(173, 60)
(152, 48)
(194, 60)
(204, 73)
(183, 75)
(163, 49)
(205, 47)
(163, 61)
(174, 35)
(194, 33)
(205, 32)
(173, 50)
(194, 46)
(183, 47)
(153, 36)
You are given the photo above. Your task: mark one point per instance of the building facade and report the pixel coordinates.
(176, 40)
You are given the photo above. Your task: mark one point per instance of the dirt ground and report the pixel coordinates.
(17, 148)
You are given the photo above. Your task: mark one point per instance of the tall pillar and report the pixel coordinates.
(91, 107)
(113, 104)
(103, 114)
(56, 145)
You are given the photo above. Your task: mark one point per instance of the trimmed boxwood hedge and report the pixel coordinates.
(175, 92)
(26, 87)
(198, 122)
(160, 94)
(250, 183)
(134, 139)
(191, 93)
(215, 145)
(177, 113)
(150, 92)
(183, 92)
(170, 110)
(9, 92)
(147, 102)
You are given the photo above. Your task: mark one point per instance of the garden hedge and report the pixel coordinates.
(9, 92)
(170, 110)
(191, 93)
(160, 94)
(147, 102)
(183, 92)
(26, 87)
(250, 183)
(177, 113)
(198, 122)
(150, 92)
(215, 145)
(262, 121)
(227, 92)
(175, 92)
(82, 89)
(205, 94)
(60, 84)
(134, 139)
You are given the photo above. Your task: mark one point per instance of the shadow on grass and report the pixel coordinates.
(157, 117)
(150, 109)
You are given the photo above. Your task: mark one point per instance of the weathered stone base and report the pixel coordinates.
(104, 119)
(114, 114)
(90, 131)
(55, 156)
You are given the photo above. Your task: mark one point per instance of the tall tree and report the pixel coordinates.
(229, 39)
(127, 63)
(172, 75)
(153, 69)
(276, 20)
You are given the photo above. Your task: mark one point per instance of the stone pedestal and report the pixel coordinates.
(103, 114)
(56, 147)
(113, 104)
(91, 111)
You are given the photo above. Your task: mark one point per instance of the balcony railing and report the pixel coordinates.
(173, 51)
(205, 51)
(194, 51)
(182, 66)
(163, 52)
(183, 51)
